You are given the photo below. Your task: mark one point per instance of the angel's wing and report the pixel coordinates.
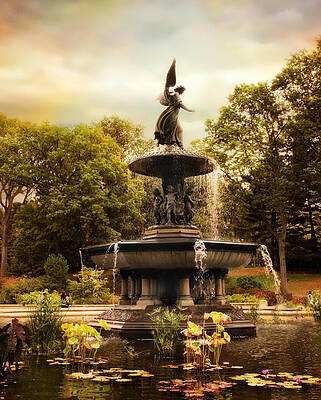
(164, 99)
(171, 75)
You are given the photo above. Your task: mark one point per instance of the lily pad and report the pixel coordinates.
(100, 379)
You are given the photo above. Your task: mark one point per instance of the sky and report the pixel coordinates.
(76, 61)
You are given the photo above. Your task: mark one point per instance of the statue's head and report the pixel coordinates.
(189, 191)
(156, 192)
(180, 89)
(170, 189)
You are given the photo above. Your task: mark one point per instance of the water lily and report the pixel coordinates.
(265, 372)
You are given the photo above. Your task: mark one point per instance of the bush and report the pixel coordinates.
(270, 297)
(56, 269)
(242, 298)
(248, 282)
(90, 288)
(44, 320)
(12, 290)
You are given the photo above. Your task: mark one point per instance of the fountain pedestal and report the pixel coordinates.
(162, 267)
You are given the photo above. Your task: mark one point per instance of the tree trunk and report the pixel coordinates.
(4, 248)
(283, 275)
(282, 259)
(312, 229)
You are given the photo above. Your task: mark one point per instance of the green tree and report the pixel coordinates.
(84, 194)
(251, 144)
(56, 269)
(127, 135)
(15, 177)
(300, 84)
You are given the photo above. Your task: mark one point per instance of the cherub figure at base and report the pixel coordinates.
(158, 203)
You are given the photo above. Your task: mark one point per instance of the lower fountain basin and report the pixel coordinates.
(170, 254)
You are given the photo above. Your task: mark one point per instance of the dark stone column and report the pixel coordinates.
(219, 275)
(124, 299)
(184, 297)
(148, 292)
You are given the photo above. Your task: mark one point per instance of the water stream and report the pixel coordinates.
(267, 263)
(200, 257)
(115, 269)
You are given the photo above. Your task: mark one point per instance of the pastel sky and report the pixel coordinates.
(71, 61)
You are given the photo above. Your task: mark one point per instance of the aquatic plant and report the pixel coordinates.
(44, 320)
(193, 388)
(13, 338)
(201, 348)
(281, 380)
(81, 340)
(315, 304)
(167, 326)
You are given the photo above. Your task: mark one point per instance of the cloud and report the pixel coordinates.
(71, 61)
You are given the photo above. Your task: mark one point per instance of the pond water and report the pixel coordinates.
(279, 348)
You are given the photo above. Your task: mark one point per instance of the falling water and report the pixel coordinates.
(264, 254)
(116, 250)
(82, 272)
(81, 260)
(200, 256)
(209, 183)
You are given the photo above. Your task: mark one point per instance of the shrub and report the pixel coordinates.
(242, 298)
(270, 297)
(44, 320)
(315, 304)
(248, 282)
(90, 288)
(12, 290)
(56, 269)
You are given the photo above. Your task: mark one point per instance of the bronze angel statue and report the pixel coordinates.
(168, 130)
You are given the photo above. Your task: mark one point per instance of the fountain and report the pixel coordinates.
(164, 267)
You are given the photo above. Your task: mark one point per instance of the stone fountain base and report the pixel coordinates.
(132, 322)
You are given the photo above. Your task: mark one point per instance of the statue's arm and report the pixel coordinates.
(185, 108)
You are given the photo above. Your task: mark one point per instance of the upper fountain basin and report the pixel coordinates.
(171, 254)
(172, 160)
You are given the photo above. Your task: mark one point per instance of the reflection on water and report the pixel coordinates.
(281, 348)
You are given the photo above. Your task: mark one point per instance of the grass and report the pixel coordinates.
(302, 277)
(299, 284)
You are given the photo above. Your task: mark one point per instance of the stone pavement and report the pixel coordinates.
(75, 313)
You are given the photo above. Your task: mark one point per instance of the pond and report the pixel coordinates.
(279, 348)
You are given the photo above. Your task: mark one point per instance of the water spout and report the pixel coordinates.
(116, 250)
(264, 254)
(200, 256)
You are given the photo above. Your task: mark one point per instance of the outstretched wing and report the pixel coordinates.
(171, 75)
(164, 99)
